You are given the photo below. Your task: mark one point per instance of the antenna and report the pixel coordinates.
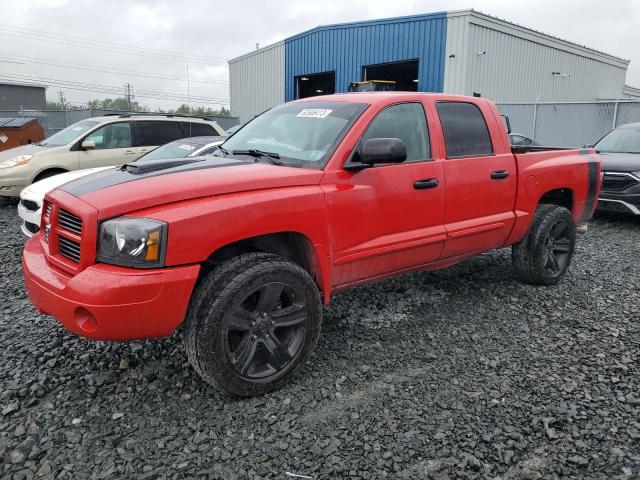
(188, 97)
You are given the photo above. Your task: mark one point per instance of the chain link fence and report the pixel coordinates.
(55, 120)
(569, 124)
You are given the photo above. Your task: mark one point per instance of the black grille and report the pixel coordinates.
(29, 205)
(70, 222)
(617, 182)
(68, 248)
(32, 227)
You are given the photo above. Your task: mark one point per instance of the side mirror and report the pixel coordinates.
(588, 145)
(383, 150)
(88, 145)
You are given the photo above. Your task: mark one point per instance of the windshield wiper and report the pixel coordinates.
(270, 156)
(223, 150)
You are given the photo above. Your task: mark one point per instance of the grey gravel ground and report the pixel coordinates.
(463, 373)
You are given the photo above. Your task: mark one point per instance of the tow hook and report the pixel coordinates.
(582, 228)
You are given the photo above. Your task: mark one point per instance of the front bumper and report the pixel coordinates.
(30, 218)
(619, 202)
(105, 302)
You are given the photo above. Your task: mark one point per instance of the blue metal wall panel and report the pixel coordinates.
(346, 48)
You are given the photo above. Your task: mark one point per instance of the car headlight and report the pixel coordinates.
(132, 242)
(15, 161)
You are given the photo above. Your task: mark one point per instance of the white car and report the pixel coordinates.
(32, 197)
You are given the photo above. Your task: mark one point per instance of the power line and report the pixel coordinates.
(94, 44)
(79, 66)
(114, 90)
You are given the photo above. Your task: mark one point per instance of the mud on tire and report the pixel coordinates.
(252, 323)
(544, 255)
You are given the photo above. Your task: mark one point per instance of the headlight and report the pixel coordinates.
(132, 242)
(19, 160)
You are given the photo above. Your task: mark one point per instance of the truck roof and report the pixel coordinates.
(376, 97)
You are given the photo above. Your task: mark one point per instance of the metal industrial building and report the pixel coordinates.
(22, 96)
(462, 52)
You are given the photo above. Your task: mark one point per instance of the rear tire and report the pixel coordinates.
(253, 322)
(544, 255)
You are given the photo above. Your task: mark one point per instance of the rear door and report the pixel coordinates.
(481, 179)
(388, 218)
(152, 133)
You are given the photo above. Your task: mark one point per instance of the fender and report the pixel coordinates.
(538, 175)
(221, 220)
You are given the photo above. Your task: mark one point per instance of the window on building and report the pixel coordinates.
(316, 84)
(407, 122)
(465, 131)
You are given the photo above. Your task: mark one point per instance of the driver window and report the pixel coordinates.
(114, 135)
(407, 122)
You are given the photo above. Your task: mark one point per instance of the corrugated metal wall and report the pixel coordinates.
(256, 81)
(346, 48)
(518, 63)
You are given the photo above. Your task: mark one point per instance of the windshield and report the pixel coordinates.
(621, 140)
(303, 134)
(70, 133)
(177, 149)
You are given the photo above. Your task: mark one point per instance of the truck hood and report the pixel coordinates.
(126, 189)
(620, 162)
(37, 190)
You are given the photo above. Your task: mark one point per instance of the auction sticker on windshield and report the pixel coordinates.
(314, 113)
(188, 148)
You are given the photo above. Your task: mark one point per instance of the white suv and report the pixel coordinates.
(95, 142)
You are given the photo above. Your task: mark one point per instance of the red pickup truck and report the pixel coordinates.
(309, 198)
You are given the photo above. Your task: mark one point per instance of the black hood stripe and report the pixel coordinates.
(109, 178)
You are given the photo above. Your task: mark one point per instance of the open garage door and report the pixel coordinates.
(405, 74)
(316, 84)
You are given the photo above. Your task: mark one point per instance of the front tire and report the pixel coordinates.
(544, 255)
(253, 322)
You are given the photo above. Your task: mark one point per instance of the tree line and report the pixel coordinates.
(121, 104)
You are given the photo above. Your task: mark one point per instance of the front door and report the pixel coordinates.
(388, 218)
(113, 146)
(481, 184)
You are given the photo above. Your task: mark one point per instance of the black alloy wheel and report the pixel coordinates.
(253, 322)
(266, 331)
(543, 256)
(557, 247)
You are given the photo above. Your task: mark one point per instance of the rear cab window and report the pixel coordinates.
(465, 130)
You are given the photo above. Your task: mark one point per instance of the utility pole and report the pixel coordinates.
(128, 95)
(63, 101)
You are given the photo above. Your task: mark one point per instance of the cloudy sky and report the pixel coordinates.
(150, 44)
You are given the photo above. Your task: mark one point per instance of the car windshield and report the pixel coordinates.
(621, 140)
(177, 149)
(69, 134)
(299, 133)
